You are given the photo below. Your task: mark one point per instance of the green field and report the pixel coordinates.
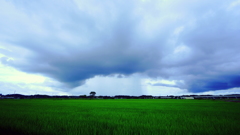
(119, 116)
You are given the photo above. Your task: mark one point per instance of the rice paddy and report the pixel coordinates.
(119, 117)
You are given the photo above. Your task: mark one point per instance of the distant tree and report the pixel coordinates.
(83, 96)
(92, 93)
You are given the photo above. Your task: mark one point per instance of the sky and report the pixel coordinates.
(120, 47)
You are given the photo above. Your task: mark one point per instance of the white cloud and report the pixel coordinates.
(234, 4)
(9, 74)
(162, 81)
(14, 81)
(163, 91)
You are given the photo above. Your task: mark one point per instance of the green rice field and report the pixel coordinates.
(119, 117)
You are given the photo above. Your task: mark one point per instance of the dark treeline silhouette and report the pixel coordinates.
(92, 95)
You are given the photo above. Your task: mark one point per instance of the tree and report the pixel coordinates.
(92, 93)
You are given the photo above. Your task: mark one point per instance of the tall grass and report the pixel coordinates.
(115, 117)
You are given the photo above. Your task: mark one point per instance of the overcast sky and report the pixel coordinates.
(120, 47)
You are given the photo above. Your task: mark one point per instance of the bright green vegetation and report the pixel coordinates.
(119, 116)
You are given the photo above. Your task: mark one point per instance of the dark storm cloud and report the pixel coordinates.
(92, 51)
(71, 42)
(218, 83)
(215, 43)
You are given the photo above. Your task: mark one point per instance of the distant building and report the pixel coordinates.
(122, 97)
(187, 97)
(165, 97)
(146, 97)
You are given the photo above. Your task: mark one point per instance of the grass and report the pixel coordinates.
(116, 117)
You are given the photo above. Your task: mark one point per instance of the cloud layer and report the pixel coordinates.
(195, 43)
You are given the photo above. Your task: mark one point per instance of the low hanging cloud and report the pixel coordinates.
(196, 42)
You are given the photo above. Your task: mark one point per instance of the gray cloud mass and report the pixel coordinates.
(196, 42)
